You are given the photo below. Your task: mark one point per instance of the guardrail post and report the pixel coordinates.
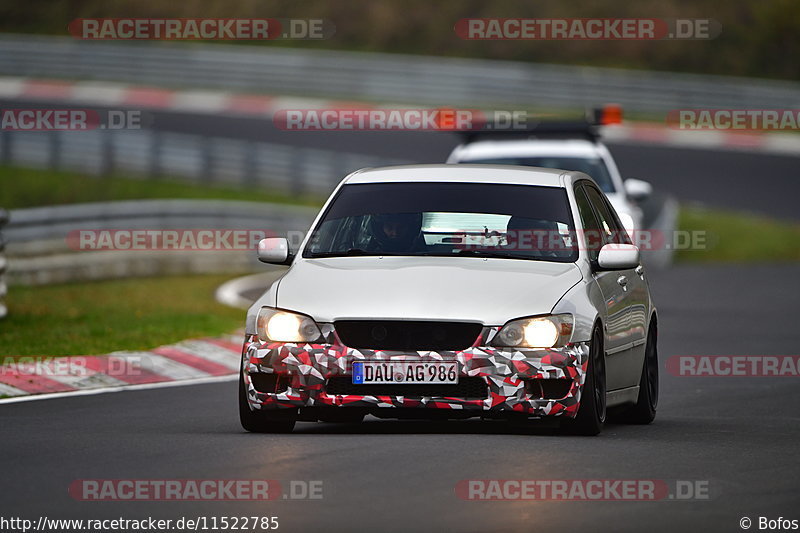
(3, 265)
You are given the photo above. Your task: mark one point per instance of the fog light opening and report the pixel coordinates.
(547, 389)
(270, 383)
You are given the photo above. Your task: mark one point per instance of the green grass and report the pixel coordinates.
(103, 316)
(21, 187)
(739, 237)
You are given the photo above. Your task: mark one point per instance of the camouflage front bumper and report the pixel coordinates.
(308, 366)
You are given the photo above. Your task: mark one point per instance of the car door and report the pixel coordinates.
(615, 320)
(638, 304)
(623, 361)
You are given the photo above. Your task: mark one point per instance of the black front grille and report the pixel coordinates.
(407, 335)
(468, 388)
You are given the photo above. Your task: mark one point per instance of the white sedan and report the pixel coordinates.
(453, 291)
(587, 155)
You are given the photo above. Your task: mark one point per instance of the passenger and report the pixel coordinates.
(396, 233)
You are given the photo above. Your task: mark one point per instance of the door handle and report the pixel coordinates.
(623, 281)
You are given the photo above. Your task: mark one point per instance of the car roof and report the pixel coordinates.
(508, 174)
(529, 147)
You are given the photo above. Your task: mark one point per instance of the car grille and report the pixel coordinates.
(468, 388)
(407, 335)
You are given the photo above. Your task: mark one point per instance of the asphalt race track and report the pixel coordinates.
(737, 435)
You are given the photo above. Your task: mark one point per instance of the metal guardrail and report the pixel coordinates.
(421, 80)
(55, 222)
(209, 160)
(42, 251)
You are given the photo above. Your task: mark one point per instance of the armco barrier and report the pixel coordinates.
(40, 253)
(421, 80)
(208, 160)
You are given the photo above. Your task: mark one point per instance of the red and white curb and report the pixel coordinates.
(195, 101)
(185, 363)
(230, 103)
(652, 133)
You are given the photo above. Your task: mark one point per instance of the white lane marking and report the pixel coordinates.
(124, 388)
(230, 292)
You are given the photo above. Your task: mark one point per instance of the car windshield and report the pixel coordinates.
(594, 167)
(446, 219)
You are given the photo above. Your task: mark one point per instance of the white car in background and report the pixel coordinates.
(573, 147)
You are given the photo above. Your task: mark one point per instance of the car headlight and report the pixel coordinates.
(276, 325)
(536, 332)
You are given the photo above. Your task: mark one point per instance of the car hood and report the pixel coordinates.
(490, 291)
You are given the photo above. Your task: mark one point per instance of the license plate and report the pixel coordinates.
(404, 372)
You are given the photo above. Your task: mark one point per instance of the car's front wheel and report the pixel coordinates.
(591, 415)
(644, 411)
(265, 421)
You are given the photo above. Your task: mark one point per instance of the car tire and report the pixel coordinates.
(591, 415)
(266, 421)
(644, 411)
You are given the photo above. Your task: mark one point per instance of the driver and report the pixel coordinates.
(396, 232)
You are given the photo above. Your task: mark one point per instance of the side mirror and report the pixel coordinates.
(274, 250)
(618, 257)
(638, 190)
